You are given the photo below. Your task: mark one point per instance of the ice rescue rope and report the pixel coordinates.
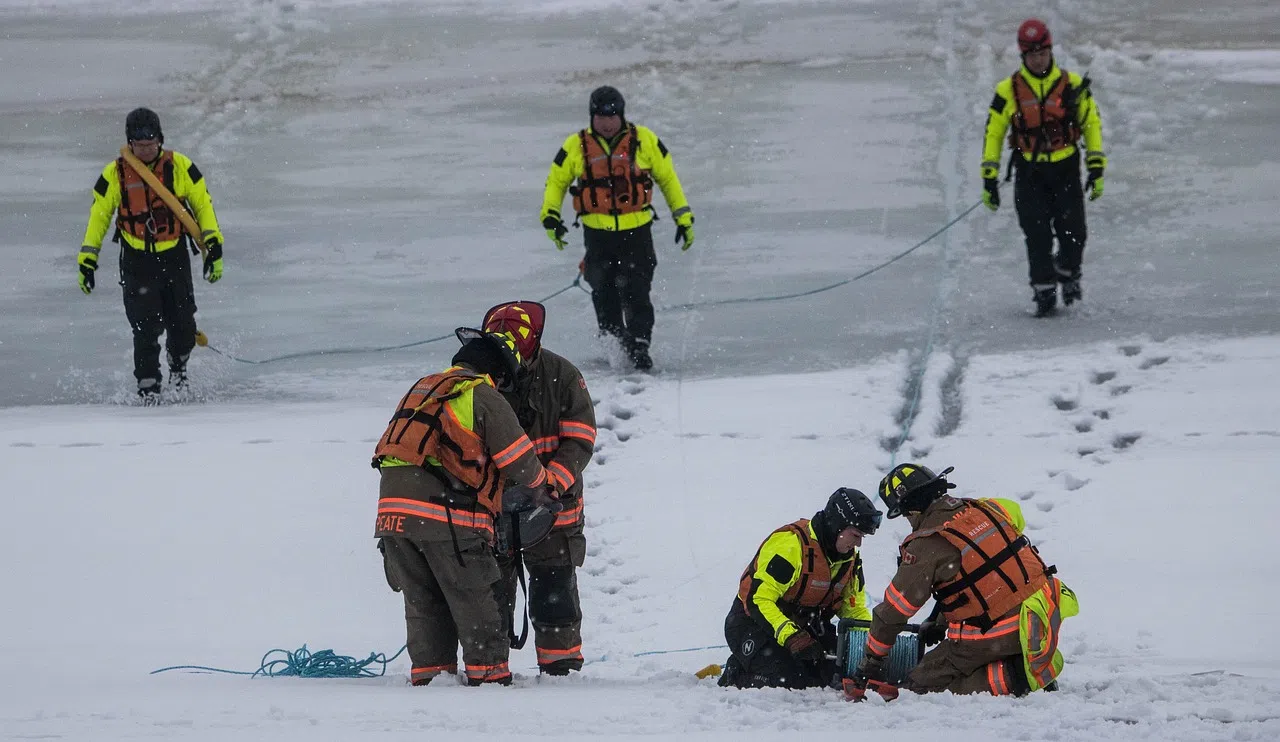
(325, 664)
(352, 351)
(577, 283)
(304, 663)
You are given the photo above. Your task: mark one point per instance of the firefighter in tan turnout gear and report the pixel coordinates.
(450, 446)
(805, 573)
(998, 605)
(616, 163)
(155, 270)
(553, 405)
(1047, 111)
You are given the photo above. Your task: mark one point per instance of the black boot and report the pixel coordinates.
(639, 353)
(1046, 302)
(149, 392)
(1071, 291)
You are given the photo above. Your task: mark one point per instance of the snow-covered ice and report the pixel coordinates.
(377, 168)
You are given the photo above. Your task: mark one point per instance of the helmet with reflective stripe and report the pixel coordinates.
(1033, 35)
(523, 321)
(910, 488)
(492, 353)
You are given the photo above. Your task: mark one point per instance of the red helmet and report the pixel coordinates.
(522, 321)
(1033, 36)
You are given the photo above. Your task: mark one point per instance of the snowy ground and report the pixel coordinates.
(208, 534)
(378, 168)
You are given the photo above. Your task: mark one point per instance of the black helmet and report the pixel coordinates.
(142, 123)
(489, 353)
(911, 487)
(607, 101)
(527, 522)
(849, 507)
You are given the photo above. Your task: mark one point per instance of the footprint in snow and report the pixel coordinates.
(1064, 403)
(1131, 350)
(1083, 426)
(1120, 390)
(1072, 483)
(1153, 361)
(623, 413)
(1125, 440)
(1102, 377)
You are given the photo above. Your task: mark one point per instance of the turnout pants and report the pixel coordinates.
(619, 266)
(965, 666)
(1050, 202)
(158, 298)
(758, 661)
(447, 604)
(553, 605)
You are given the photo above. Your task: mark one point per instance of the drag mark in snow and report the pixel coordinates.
(952, 393)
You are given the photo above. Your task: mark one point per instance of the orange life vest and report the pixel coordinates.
(1041, 126)
(424, 431)
(999, 568)
(142, 212)
(817, 590)
(611, 183)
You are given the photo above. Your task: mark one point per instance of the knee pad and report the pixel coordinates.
(553, 597)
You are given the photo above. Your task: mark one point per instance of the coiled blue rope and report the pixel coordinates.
(304, 663)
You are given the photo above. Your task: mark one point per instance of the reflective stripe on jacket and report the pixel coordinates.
(554, 407)
(651, 157)
(998, 569)
(611, 183)
(451, 444)
(791, 582)
(182, 177)
(1005, 109)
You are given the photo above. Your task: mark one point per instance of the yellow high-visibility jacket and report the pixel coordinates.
(652, 156)
(188, 185)
(1004, 106)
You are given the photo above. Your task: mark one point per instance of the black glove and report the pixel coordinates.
(804, 647)
(212, 260)
(555, 230)
(991, 193)
(932, 632)
(1093, 184)
(86, 278)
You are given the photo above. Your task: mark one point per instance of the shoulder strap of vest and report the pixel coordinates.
(991, 563)
(807, 556)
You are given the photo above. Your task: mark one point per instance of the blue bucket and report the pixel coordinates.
(905, 655)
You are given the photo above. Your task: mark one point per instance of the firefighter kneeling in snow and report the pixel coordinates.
(998, 605)
(449, 447)
(779, 628)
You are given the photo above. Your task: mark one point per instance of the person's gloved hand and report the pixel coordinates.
(1097, 164)
(555, 230)
(871, 673)
(88, 264)
(932, 632)
(803, 647)
(213, 260)
(684, 230)
(991, 187)
(548, 497)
